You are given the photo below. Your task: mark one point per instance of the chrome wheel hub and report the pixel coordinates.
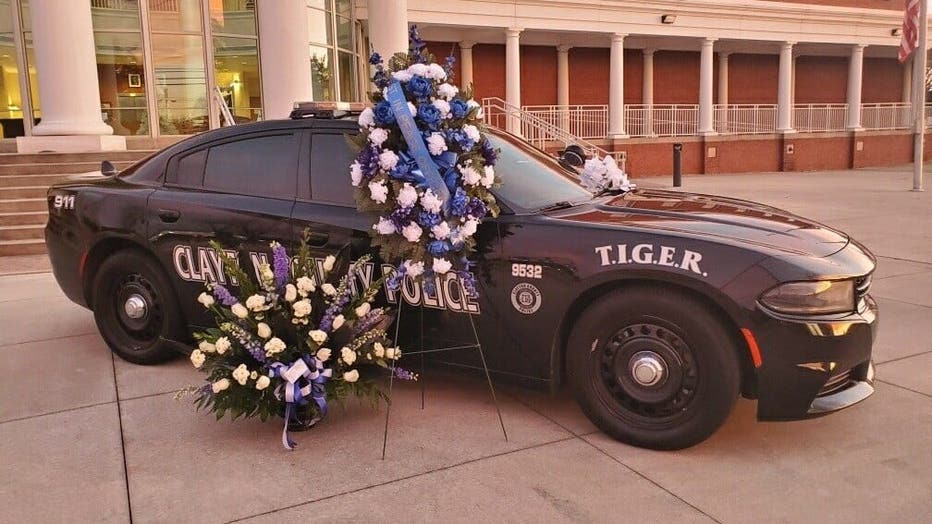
(135, 307)
(647, 368)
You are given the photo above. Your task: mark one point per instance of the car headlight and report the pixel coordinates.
(821, 297)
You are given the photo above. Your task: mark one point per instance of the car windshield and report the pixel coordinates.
(531, 180)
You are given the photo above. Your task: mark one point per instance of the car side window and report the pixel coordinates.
(265, 165)
(330, 159)
(189, 170)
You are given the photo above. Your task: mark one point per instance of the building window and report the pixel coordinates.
(236, 57)
(333, 56)
(11, 96)
(120, 65)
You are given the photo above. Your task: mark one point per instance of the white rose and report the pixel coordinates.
(291, 293)
(263, 382)
(377, 136)
(431, 202)
(407, 197)
(264, 330)
(436, 72)
(205, 299)
(469, 228)
(379, 191)
(489, 177)
(447, 91)
(351, 376)
(443, 106)
(318, 336)
(441, 231)
(356, 173)
(384, 226)
(239, 310)
(393, 353)
(198, 358)
(362, 310)
(379, 349)
(256, 302)
(305, 286)
(329, 262)
(414, 269)
(402, 76)
(472, 104)
(323, 354)
(412, 232)
(328, 289)
(436, 143)
(220, 385)
(241, 374)
(301, 308)
(419, 69)
(222, 345)
(367, 117)
(338, 322)
(472, 132)
(471, 177)
(388, 160)
(441, 265)
(348, 355)
(206, 347)
(273, 346)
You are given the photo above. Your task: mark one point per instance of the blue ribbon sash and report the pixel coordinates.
(304, 378)
(416, 146)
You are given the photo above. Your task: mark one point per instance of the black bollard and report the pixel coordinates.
(677, 165)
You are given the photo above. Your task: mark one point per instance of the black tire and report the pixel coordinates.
(629, 329)
(129, 273)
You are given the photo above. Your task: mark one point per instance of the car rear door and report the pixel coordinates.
(239, 191)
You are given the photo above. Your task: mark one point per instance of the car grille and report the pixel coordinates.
(835, 384)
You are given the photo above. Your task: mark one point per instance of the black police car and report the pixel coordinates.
(658, 307)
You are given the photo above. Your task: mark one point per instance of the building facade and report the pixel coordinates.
(744, 85)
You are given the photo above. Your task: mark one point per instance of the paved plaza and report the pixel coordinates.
(86, 437)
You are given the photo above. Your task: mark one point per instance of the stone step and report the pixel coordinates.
(9, 193)
(15, 205)
(22, 218)
(31, 180)
(55, 168)
(71, 158)
(25, 232)
(22, 247)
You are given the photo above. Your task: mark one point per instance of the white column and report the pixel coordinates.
(723, 78)
(785, 89)
(563, 84)
(388, 26)
(706, 114)
(907, 66)
(616, 88)
(647, 82)
(855, 74)
(466, 64)
(513, 76)
(793, 81)
(286, 66)
(66, 67)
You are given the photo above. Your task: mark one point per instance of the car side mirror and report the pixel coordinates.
(107, 168)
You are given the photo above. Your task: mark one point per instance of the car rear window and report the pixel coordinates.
(265, 165)
(331, 156)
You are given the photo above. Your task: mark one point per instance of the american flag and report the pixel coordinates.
(910, 38)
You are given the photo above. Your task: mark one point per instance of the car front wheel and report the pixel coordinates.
(135, 308)
(653, 368)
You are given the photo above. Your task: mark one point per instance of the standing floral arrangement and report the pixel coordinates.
(291, 342)
(424, 166)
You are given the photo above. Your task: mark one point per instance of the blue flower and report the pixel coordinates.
(476, 208)
(429, 114)
(458, 108)
(488, 153)
(401, 217)
(420, 87)
(375, 59)
(438, 248)
(460, 138)
(459, 202)
(383, 114)
(428, 220)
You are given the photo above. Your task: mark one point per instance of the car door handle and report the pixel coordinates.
(169, 215)
(317, 239)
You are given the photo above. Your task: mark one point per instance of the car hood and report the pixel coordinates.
(711, 217)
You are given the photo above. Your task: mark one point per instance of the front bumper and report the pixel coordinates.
(814, 367)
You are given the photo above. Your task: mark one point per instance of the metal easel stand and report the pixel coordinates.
(421, 351)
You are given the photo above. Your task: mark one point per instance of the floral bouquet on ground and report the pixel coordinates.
(301, 333)
(424, 167)
(603, 174)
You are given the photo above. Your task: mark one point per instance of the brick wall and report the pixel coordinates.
(655, 157)
(821, 80)
(538, 75)
(813, 153)
(743, 155)
(870, 4)
(488, 71)
(882, 150)
(589, 75)
(752, 79)
(883, 80)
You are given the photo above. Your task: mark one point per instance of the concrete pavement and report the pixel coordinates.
(87, 437)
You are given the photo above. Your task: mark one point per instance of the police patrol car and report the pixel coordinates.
(660, 308)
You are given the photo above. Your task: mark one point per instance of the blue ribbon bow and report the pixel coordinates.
(304, 378)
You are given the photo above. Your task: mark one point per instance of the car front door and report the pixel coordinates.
(238, 191)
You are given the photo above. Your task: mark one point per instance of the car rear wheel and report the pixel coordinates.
(653, 368)
(135, 308)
